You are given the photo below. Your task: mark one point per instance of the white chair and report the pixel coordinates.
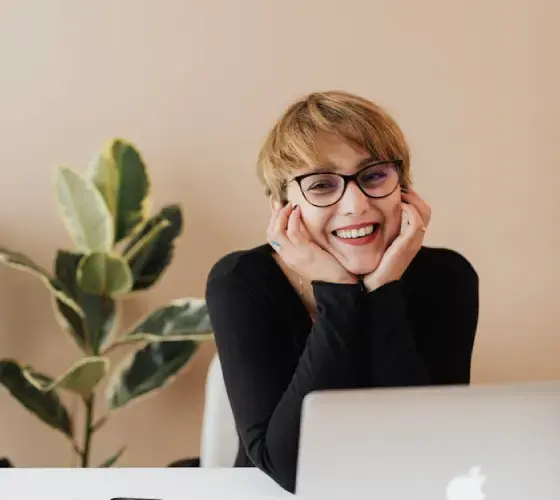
(219, 440)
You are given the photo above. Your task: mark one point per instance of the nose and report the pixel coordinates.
(353, 202)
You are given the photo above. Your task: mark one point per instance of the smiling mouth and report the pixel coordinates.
(354, 234)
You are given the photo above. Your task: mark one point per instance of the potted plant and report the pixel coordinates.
(120, 249)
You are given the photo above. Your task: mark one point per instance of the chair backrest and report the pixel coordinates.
(219, 440)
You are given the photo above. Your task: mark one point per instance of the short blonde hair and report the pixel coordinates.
(291, 143)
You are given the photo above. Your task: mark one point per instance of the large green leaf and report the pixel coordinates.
(104, 274)
(84, 212)
(149, 257)
(121, 176)
(93, 329)
(82, 377)
(103, 172)
(23, 262)
(45, 405)
(148, 369)
(183, 319)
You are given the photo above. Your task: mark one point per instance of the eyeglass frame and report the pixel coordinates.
(346, 178)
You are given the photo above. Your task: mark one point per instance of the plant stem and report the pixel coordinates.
(88, 430)
(76, 449)
(100, 423)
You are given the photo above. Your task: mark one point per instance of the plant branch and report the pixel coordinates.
(100, 423)
(88, 430)
(77, 449)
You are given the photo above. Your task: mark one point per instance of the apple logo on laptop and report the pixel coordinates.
(466, 486)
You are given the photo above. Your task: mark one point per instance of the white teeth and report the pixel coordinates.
(355, 233)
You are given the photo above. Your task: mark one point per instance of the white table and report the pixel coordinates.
(161, 484)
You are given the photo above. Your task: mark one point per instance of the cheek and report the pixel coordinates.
(393, 218)
(315, 222)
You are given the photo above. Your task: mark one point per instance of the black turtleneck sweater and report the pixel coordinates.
(419, 330)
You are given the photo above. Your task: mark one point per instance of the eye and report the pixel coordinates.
(323, 182)
(375, 174)
(321, 185)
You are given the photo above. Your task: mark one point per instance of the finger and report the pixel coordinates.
(275, 210)
(413, 198)
(415, 224)
(275, 205)
(278, 242)
(293, 230)
(295, 226)
(277, 233)
(281, 223)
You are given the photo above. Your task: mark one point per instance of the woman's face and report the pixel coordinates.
(329, 226)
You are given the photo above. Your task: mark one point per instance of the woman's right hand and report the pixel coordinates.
(290, 239)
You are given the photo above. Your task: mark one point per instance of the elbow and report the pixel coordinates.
(281, 469)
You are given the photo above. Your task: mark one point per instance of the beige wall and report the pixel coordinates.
(195, 85)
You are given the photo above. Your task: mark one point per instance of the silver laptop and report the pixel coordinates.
(499, 442)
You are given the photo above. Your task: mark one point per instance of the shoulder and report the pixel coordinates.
(242, 295)
(443, 294)
(249, 272)
(444, 265)
(241, 264)
(447, 260)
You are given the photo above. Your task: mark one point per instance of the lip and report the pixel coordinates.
(356, 226)
(364, 240)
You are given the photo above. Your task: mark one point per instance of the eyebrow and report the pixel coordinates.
(331, 167)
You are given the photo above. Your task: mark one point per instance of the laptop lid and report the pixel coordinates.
(436, 443)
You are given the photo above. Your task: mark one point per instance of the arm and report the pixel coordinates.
(395, 361)
(444, 314)
(449, 318)
(265, 383)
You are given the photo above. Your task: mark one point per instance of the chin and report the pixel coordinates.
(358, 261)
(362, 268)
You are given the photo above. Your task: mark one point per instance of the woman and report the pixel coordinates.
(344, 294)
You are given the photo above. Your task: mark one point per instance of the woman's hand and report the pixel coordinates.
(288, 236)
(416, 216)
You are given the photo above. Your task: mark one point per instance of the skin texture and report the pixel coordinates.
(302, 233)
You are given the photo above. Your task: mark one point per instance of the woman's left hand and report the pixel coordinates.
(416, 215)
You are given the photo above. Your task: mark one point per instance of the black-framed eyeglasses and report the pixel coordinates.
(377, 179)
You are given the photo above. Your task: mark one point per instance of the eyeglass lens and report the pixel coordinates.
(377, 181)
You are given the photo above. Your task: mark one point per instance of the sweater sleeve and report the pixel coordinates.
(266, 387)
(395, 360)
(439, 351)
